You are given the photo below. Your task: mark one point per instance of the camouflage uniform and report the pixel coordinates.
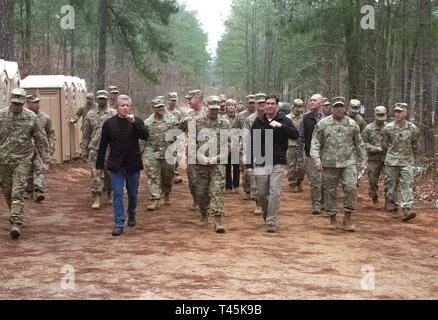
(159, 171)
(295, 166)
(400, 144)
(36, 177)
(372, 138)
(359, 120)
(90, 147)
(82, 113)
(210, 178)
(336, 143)
(19, 135)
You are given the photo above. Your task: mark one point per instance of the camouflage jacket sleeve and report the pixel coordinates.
(385, 139)
(78, 115)
(41, 142)
(50, 132)
(415, 139)
(86, 137)
(317, 142)
(369, 146)
(359, 146)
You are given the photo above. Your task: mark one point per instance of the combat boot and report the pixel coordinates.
(247, 196)
(39, 197)
(300, 188)
(194, 206)
(177, 180)
(258, 211)
(293, 188)
(28, 195)
(166, 199)
(376, 205)
(15, 231)
(408, 214)
(154, 205)
(218, 228)
(96, 203)
(347, 224)
(333, 222)
(204, 220)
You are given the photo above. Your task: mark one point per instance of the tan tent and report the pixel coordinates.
(14, 77)
(54, 94)
(4, 84)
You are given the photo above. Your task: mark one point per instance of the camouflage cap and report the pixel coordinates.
(90, 95)
(380, 113)
(251, 98)
(339, 102)
(298, 103)
(32, 98)
(327, 103)
(194, 93)
(160, 98)
(354, 105)
(172, 96)
(401, 107)
(260, 97)
(156, 103)
(213, 102)
(18, 95)
(113, 89)
(102, 94)
(223, 97)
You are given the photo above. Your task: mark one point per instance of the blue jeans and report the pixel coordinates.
(118, 180)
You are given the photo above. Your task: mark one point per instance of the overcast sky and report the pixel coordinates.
(212, 14)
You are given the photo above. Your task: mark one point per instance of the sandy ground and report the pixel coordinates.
(168, 256)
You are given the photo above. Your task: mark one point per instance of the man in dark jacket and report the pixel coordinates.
(122, 133)
(269, 143)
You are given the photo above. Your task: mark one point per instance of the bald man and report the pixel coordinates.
(310, 120)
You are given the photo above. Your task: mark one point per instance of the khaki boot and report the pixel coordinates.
(15, 231)
(166, 199)
(154, 205)
(247, 196)
(28, 195)
(300, 188)
(376, 205)
(204, 220)
(347, 224)
(218, 228)
(177, 180)
(194, 206)
(293, 189)
(333, 222)
(258, 211)
(96, 203)
(408, 215)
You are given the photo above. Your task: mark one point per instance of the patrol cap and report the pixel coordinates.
(194, 93)
(214, 102)
(354, 105)
(380, 113)
(32, 98)
(90, 95)
(327, 103)
(401, 107)
(102, 94)
(18, 95)
(173, 96)
(298, 103)
(260, 97)
(156, 103)
(113, 89)
(160, 98)
(339, 102)
(251, 98)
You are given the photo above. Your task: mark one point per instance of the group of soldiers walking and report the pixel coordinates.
(331, 144)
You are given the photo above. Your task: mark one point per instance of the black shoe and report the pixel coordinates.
(117, 232)
(132, 222)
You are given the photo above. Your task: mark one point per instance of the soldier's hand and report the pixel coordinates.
(45, 167)
(318, 165)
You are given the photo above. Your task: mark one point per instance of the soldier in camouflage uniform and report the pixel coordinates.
(210, 170)
(400, 141)
(335, 144)
(195, 98)
(20, 134)
(354, 113)
(83, 111)
(238, 124)
(90, 146)
(35, 182)
(295, 166)
(372, 138)
(172, 108)
(159, 170)
(223, 109)
(113, 95)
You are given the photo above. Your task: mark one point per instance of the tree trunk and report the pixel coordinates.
(7, 31)
(425, 17)
(103, 30)
(27, 35)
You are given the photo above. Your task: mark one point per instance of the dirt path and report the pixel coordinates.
(167, 256)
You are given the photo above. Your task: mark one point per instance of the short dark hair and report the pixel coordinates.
(273, 96)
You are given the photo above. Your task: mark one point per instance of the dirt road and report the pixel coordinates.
(167, 256)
